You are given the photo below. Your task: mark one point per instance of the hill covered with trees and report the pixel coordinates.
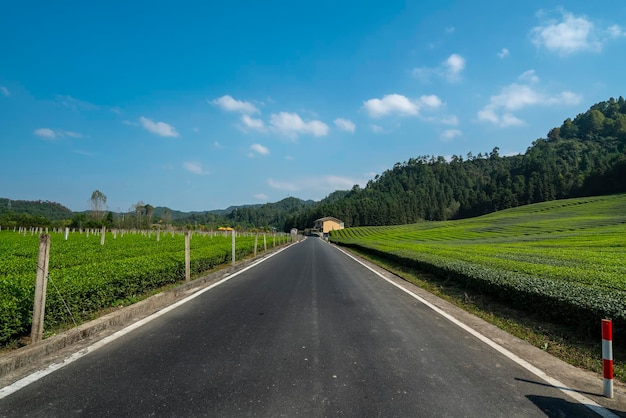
(31, 213)
(584, 156)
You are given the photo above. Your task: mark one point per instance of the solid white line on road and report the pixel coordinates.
(25, 381)
(534, 370)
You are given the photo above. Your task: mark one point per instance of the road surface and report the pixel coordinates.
(307, 333)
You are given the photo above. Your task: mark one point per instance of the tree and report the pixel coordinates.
(149, 211)
(167, 218)
(98, 204)
(139, 211)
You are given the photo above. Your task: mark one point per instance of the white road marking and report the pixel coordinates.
(520, 361)
(25, 381)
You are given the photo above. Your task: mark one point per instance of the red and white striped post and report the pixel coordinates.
(607, 356)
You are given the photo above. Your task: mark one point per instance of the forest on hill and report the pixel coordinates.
(584, 156)
(27, 212)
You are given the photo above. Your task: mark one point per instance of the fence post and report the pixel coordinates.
(187, 256)
(233, 245)
(103, 234)
(256, 241)
(607, 356)
(264, 243)
(39, 306)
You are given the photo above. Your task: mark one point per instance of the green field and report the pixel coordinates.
(86, 277)
(565, 259)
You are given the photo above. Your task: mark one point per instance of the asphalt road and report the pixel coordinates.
(308, 333)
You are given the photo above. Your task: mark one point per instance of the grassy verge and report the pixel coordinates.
(562, 342)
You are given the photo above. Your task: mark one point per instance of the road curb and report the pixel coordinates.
(15, 361)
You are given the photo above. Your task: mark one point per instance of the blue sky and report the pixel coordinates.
(203, 105)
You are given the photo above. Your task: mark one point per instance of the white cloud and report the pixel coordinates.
(345, 125)
(454, 65)
(282, 185)
(292, 125)
(75, 104)
(400, 105)
(430, 101)
(508, 119)
(194, 167)
(487, 114)
(518, 95)
(229, 104)
(450, 134)
(71, 134)
(615, 31)
(261, 196)
(216, 144)
(391, 104)
(377, 129)
(504, 53)
(450, 120)
(5, 91)
(48, 133)
(253, 123)
(158, 128)
(259, 149)
(318, 186)
(45, 133)
(571, 34)
(450, 70)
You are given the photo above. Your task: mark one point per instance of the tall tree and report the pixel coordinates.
(139, 211)
(149, 210)
(97, 203)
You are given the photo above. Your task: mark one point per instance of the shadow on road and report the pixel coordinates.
(566, 389)
(559, 408)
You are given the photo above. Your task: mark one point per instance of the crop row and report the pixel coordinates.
(86, 277)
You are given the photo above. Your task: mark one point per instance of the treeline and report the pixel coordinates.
(267, 216)
(584, 156)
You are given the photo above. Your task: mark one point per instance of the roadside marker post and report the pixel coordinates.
(187, 256)
(607, 357)
(233, 248)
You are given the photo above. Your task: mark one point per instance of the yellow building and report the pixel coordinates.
(327, 224)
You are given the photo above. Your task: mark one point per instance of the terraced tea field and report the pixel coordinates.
(85, 276)
(565, 258)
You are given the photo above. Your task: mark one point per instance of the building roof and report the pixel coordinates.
(328, 218)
